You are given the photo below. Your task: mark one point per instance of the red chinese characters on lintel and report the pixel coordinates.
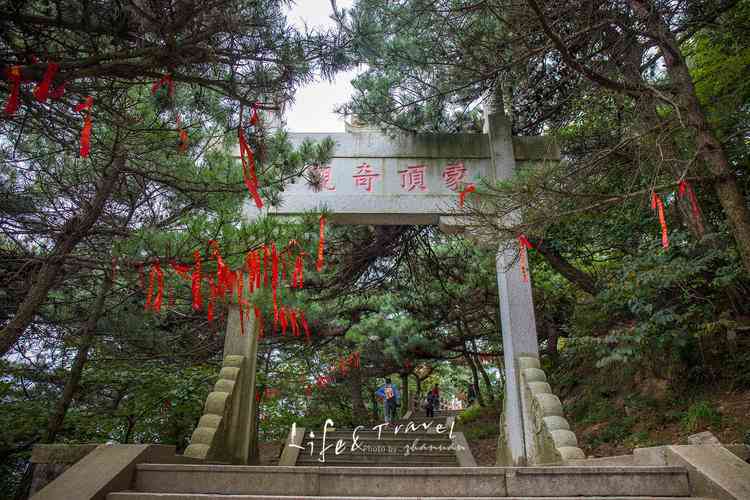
(365, 177)
(325, 178)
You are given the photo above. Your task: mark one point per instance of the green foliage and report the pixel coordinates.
(470, 414)
(700, 416)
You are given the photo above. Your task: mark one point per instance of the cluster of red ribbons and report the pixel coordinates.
(248, 159)
(343, 366)
(524, 244)
(263, 268)
(683, 189)
(167, 81)
(43, 90)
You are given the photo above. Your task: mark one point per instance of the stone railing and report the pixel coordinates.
(547, 435)
(211, 439)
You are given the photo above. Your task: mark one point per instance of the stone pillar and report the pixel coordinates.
(242, 428)
(516, 305)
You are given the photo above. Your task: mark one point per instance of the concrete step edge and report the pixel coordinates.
(137, 495)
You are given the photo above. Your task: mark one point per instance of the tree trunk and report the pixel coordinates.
(359, 412)
(487, 382)
(55, 422)
(565, 268)
(73, 231)
(485, 375)
(404, 393)
(708, 148)
(475, 377)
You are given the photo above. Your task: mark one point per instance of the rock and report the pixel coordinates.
(703, 438)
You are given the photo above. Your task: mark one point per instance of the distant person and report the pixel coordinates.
(389, 393)
(433, 401)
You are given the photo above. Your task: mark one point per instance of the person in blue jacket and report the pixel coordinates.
(389, 393)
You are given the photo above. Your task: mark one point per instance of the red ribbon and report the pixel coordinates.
(274, 276)
(13, 75)
(684, 188)
(196, 282)
(164, 80)
(321, 243)
(41, 92)
(282, 317)
(212, 298)
(266, 258)
(254, 119)
(293, 321)
(305, 327)
(86, 132)
(158, 275)
(658, 205)
(248, 165)
(298, 279)
(462, 195)
(524, 243)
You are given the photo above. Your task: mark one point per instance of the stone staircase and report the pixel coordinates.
(226, 482)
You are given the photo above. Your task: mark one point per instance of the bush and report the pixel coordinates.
(700, 416)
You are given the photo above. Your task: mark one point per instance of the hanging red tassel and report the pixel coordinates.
(164, 80)
(282, 317)
(274, 276)
(321, 243)
(293, 321)
(184, 139)
(212, 297)
(686, 189)
(158, 276)
(254, 119)
(305, 326)
(248, 166)
(41, 92)
(298, 280)
(13, 75)
(658, 205)
(462, 195)
(86, 132)
(266, 258)
(196, 285)
(524, 243)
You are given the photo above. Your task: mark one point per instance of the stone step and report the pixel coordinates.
(137, 495)
(395, 460)
(412, 481)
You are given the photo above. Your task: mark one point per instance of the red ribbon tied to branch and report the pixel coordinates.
(657, 204)
(86, 131)
(471, 188)
(165, 80)
(41, 92)
(156, 275)
(13, 75)
(321, 243)
(684, 188)
(248, 164)
(196, 282)
(524, 244)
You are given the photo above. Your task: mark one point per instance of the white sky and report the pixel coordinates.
(312, 110)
